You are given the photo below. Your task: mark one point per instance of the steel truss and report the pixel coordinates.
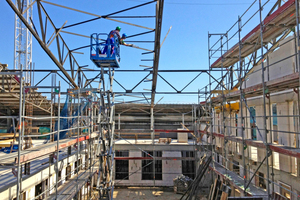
(64, 57)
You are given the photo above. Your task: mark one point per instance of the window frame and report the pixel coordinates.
(121, 171)
(147, 168)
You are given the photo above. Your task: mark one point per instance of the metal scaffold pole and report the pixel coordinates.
(210, 110)
(78, 132)
(264, 97)
(88, 163)
(19, 175)
(57, 143)
(242, 120)
(223, 105)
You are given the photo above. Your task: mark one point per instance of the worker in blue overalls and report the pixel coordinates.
(111, 40)
(116, 32)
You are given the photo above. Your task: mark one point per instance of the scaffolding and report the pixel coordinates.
(23, 161)
(250, 141)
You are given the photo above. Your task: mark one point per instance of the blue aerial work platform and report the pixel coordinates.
(101, 53)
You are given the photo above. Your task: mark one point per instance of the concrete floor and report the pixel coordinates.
(134, 193)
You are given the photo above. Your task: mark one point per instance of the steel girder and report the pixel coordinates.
(41, 38)
(159, 13)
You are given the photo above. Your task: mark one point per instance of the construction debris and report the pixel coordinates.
(181, 183)
(165, 140)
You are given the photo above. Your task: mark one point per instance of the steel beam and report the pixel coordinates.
(159, 13)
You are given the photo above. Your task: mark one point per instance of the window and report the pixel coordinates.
(276, 160)
(236, 124)
(296, 122)
(253, 123)
(237, 147)
(76, 165)
(188, 166)
(236, 167)
(275, 125)
(79, 165)
(148, 166)
(86, 165)
(46, 187)
(122, 166)
(218, 124)
(59, 178)
(253, 153)
(39, 190)
(68, 172)
(285, 190)
(218, 158)
(261, 180)
(296, 166)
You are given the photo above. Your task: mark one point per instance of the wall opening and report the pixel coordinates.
(261, 180)
(68, 172)
(122, 166)
(148, 166)
(253, 153)
(253, 123)
(188, 166)
(285, 190)
(59, 179)
(38, 191)
(236, 124)
(274, 123)
(276, 160)
(236, 167)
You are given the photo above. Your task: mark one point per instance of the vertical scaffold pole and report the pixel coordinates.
(19, 175)
(57, 141)
(241, 105)
(264, 98)
(210, 110)
(152, 124)
(223, 105)
(78, 131)
(206, 123)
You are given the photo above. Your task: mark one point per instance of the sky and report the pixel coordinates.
(185, 47)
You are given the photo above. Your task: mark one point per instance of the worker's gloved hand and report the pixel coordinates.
(131, 45)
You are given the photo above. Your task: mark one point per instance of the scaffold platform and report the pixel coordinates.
(35, 152)
(274, 25)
